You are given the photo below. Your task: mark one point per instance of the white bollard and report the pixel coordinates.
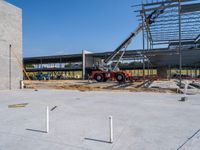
(111, 128)
(47, 119)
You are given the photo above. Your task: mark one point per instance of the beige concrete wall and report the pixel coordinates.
(10, 34)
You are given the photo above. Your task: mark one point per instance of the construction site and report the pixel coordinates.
(120, 99)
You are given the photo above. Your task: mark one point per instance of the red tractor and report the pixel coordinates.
(103, 76)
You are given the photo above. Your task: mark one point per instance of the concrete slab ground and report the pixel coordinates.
(142, 121)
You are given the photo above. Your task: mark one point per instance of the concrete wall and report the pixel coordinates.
(88, 62)
(10, 35)
(85, 63)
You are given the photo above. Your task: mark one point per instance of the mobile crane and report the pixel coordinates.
(103, 72)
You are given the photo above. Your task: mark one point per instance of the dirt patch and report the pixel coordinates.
(85, 86)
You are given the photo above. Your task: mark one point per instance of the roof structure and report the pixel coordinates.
(165, 29)
(53, 59)
(177, 28)
(158, 57)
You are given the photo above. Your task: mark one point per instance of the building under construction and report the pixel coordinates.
(171, 45)
(176, 29)
(151, 113)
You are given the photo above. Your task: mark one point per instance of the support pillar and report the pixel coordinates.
(163, 72)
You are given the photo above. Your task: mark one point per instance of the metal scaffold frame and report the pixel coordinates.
(179, 24)
(166, 27)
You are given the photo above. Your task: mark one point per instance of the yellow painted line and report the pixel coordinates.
(17, 105)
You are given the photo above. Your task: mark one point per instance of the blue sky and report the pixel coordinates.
(52, 27)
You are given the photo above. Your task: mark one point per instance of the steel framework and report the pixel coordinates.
(177, 27)
(166, 26)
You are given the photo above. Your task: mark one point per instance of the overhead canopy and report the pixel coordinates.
(158, 57)
(53, 59)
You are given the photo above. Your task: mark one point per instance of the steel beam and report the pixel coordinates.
(166, 1)
(175, 23)
(190, 8)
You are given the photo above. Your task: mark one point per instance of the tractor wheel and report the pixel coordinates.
(99, 77)
(120, 77)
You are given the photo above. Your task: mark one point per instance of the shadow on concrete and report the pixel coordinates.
(96, 140)
(36, 130)
(52, 109)
(180, 147)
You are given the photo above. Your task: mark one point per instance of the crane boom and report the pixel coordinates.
(149, 20)
(123, 44)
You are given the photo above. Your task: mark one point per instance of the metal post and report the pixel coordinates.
(180, 51)
(47, 119)
(143, 42)
(83, 65)
(41, 64)
(147, 50)
(195, 71)
(10, 68)
(151, 67)
(60, 63)
(111, 129)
